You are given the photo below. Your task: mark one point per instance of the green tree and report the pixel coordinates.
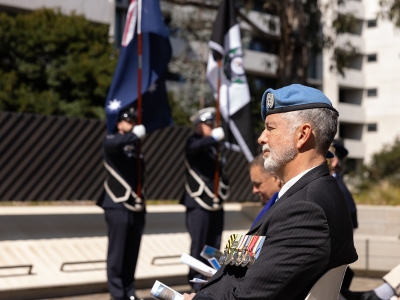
(385, 165)
(390, 10)
(54, 64)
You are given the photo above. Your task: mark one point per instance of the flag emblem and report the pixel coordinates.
(233, 66)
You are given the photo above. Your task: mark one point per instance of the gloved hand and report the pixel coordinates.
(139, 130)
(218, 134)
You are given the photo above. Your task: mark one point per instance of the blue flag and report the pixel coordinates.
(156, 53)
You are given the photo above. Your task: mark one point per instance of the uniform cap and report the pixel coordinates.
(340, 151)
(291, 98)
(127, 114)
(203, 115)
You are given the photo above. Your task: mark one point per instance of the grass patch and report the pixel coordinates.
(382, 194)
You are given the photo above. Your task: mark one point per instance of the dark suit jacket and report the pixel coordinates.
(308, 231)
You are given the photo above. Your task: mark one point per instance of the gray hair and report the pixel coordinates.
(323, 120)
(258, 161)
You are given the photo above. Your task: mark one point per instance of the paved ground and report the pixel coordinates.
(358, 284)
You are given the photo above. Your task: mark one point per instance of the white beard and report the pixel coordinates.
(279, 157)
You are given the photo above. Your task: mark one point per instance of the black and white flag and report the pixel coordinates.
(234, 96)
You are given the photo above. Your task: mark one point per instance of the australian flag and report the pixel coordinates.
(156, 49)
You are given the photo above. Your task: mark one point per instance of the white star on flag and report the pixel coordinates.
(114, 105)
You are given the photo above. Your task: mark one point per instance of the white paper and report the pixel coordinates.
(197, 265)
(198, 280)
(162, 292)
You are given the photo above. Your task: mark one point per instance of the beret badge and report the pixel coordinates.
(270, 100)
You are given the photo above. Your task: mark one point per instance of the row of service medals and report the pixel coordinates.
(242, 250)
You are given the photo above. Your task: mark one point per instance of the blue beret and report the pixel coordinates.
(293, 97)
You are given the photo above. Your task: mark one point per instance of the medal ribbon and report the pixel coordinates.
(259, 246)
(241, 243)
(248, 240)
(236, 243)
(253, 242)
(229, 244)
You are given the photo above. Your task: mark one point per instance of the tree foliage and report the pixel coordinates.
(390, 9)
(385, 165)
(54, 64)
(378, 182)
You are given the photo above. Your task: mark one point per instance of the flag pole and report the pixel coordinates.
(139, 100)
(217, 124)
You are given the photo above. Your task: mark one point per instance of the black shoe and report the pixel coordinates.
(370, 295)
(349, 295)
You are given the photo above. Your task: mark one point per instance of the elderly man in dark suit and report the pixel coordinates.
(308, 230)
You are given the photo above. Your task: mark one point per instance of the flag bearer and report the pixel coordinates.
(124, 209)
(204, 211)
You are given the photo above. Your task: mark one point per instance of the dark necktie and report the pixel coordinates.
(266, 208)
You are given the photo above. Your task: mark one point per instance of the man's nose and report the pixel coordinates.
(263, 138)
(255, 190)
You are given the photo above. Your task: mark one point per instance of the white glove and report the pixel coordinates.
(139, 130)
(218, 134)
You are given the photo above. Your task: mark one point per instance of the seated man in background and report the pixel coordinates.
(265, 184)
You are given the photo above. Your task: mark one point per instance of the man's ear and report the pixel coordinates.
(303, 135)
(334, 161)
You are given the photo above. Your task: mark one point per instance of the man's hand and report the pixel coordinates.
(188, 297)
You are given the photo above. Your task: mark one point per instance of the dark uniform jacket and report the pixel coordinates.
(120, 160)
(308, 232)
(200, 157)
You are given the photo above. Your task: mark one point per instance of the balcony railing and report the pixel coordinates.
(352, 79)
(351, 113)
(354, 40)
(352, 7)
(356, 148)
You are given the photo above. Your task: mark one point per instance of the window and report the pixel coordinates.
(372, 57)
(372, 92)
(372, 127)
(371, 23)
(120, 16)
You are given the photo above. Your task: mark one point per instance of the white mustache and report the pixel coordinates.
(265, 147)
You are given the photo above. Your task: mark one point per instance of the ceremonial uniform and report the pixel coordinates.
(124, 211)
(341, 152)
(204, 212)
